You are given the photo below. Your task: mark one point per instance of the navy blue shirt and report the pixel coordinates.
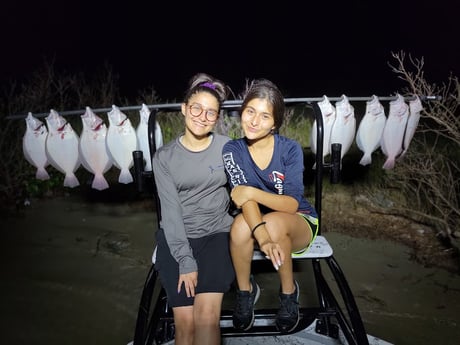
(284, 174)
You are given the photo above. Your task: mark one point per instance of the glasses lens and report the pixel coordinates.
(196, 110)
(211, 115)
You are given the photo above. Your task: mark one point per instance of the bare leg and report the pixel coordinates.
(206, 310)
(241, 249)
(183, 321)
(292, 233)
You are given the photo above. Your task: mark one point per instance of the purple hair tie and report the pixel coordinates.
(208, 85)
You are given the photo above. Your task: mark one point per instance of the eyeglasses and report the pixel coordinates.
(196, 110)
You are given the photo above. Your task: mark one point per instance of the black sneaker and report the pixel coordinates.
(243, 315)
(288, 315)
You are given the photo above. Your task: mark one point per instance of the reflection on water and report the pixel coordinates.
(73, 272)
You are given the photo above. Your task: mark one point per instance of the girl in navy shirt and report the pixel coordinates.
(265, 173)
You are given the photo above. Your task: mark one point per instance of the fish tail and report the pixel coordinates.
(125, 176)
(42, 174)
(71, 180)
(99, 182)
(366, 159)
(389, 164)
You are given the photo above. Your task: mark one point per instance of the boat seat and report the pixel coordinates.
(320, 248)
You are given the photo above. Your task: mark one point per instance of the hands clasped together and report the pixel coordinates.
(272, 250)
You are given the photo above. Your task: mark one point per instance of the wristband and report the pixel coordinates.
(255, 228)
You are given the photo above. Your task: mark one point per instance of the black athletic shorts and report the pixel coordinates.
(215, 268)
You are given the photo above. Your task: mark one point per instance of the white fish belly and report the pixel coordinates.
(34, 149)
(121, 142)
(62, 153)
(343, 133)
(369, 136)
(392, 139)
(93, 152)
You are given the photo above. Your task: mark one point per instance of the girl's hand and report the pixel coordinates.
(273, 251)
(190, 281)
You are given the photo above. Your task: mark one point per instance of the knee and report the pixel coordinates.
(239, 232)
(207, 317)
(184, 325)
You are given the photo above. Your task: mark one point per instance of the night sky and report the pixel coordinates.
(309, 48)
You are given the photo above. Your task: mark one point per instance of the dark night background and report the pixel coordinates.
(309, 48)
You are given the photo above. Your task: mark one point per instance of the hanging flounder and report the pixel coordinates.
(393, 133)
(62, 148)
(143, 136)
(121, 141)
(93, 152)
(328, 114)
(34, 146)
(370, 129)
(344, 128)
(415, 108)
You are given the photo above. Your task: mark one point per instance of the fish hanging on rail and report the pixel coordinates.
(393, 133)
(344, 128)
(62, 148)
(92, 148)
(121, 141)
(370, 129)
(34, 146)
(143, 136)
(328, 113)
(415, 109)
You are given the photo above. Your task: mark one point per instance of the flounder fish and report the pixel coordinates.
(415, 109)
(344, 128)
(143, 137)
(328, 114)
(62, 148)
(370, 129)
(121, 141)
(34, 146)
(393, 133)
(93, 152)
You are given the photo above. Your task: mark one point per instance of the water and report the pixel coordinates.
(73, 272)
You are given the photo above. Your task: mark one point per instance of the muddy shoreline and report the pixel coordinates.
(73, 269)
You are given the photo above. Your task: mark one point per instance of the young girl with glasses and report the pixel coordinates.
(193, 258)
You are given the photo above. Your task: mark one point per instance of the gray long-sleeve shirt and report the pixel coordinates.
(192, 187)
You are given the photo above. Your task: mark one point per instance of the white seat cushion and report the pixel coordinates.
(320, 248)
